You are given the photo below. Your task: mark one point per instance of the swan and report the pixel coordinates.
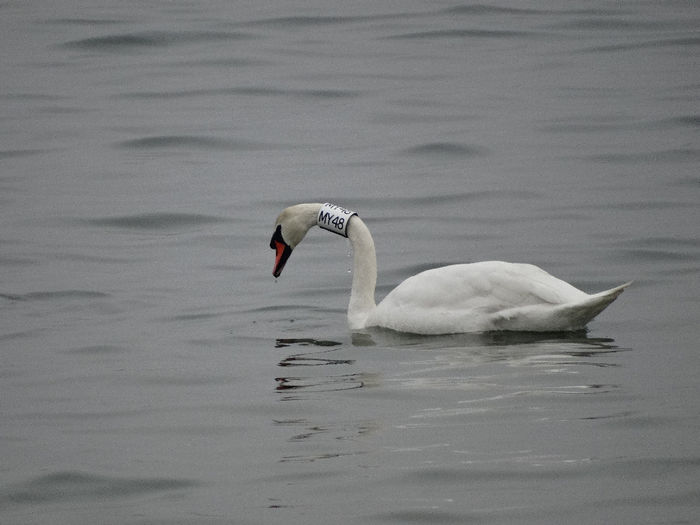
(460, 298)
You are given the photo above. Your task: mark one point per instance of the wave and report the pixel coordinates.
(150, 39)
(608, 23)
(656, 242)
(19, 153)
(669, 155)
(97, 350)
(193, 141)
(447, 149)
(670, 42)
(155, 221)
(660, 249)
(594, 125)
(254, 91)
(658, 256)
(434, 200)
(462, 34)
(54, 295)
(83, 21)
(482, 9)
(309, 21)
(686, 120)
(330, 383)
(68, 486)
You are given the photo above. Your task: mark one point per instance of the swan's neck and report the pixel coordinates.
(364, 274)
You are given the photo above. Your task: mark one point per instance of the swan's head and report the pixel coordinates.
(290, 228)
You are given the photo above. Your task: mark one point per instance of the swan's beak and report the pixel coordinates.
(282, 251)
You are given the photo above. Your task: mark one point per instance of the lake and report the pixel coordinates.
(154, 371)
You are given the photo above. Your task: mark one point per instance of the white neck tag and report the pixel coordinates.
(334, 218)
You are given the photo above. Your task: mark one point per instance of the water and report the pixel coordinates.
(153, 371)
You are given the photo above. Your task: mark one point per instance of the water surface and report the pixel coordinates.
(153, 371)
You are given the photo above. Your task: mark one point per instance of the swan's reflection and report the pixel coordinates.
(458, 350)
(470, 341)
(458, 361)
(322, 371)
(319, 354)
(501, 362)
(434, 382)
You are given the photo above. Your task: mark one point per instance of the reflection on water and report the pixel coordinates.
(449, 353)
(322, 437)
(449, 396)
(282, 343)
(325, 441)
(472, 340)
(332, 383)
(317, 383)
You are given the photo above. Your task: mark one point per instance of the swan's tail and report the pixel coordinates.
(613, 292)
(578, 315)
(565, 317)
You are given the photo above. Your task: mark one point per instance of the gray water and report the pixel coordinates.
(153, 370)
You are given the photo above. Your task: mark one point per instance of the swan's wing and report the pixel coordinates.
(470, 297)
(491, 285)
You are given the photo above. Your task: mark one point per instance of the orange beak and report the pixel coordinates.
(282, 251)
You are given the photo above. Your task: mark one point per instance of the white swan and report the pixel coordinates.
(477, 297)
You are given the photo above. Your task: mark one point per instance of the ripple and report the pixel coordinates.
(658, 255)
(669, 155)
(428, 516)
(594, 125)
(83, 21)
(461, 34)
(690, 181)
(78, 486)
(255, 91)
(149, 39)
(608, 23)
(434, 200)
(334, 383)
(682, 244)
(586, 127)
(282, 343)
(650, 467)
(304, 360)
(32, 97)
(192, 141)
(18, 153)
(155, 221)
(305, 429)
(671, 42)
(641, 206)
(451, 149)
(222, 62)
(313, 358)
(55, 295)
(96, 350)
(688, 120)
(15, 261)
(466, 477)
(308, 21)
(482, 9)
(193, 317)
(315, 457)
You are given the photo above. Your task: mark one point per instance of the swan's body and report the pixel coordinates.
(477, 297)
